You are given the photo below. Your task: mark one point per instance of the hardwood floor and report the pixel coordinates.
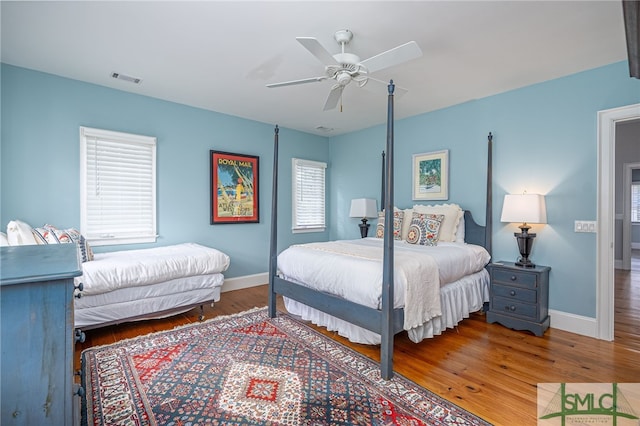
(485, 368)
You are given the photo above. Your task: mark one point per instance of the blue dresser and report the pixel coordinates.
(37, 335)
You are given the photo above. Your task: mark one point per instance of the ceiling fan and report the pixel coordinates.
(346, 67)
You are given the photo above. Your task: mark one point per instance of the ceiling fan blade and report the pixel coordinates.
(317, 50)
(301, 81)
(395, 56)
(377, 86)
(334, 97)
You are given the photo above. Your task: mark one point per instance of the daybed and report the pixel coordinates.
(149, 283)
(360, 287)
(131, 285)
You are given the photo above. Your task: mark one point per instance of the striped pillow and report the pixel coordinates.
(49, 234)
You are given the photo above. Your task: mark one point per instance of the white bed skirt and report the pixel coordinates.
(146, 302)
(458, 299)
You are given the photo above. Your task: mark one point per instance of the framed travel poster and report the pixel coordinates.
(234, 188)
(431, 176)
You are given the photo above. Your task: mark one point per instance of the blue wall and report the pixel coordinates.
(545, 142)
(41, 116)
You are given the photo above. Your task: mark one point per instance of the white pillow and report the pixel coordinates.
(452, 214)
(3, 240)
(19, 234)
(460, 232)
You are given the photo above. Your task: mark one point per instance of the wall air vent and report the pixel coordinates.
(124, 77)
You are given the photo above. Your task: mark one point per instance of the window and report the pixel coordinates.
(308, 195)
(635, 202)
(117, 187)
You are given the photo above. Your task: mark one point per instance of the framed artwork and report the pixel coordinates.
(431, 175)
(234, 188)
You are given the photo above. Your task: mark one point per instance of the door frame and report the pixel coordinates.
(607, 120)
(626, 214)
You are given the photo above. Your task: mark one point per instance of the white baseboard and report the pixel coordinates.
(238, 283)
(578, 324)
(635, 246)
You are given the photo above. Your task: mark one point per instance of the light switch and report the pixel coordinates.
(585, 226)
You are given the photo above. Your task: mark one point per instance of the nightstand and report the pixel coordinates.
(519, 297)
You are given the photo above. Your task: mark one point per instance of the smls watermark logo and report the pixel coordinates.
(589, 404)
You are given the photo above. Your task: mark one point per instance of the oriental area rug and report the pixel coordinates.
(249, 369)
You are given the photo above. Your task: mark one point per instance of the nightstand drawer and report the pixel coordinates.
(512, 277)
(515, 293)
(513, 307)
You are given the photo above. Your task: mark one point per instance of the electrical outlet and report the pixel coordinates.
(584, 226)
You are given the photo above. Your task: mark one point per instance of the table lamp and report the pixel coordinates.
(363, 208)
(524, 208)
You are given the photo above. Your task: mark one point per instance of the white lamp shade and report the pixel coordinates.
(363, 208)
(524, 208)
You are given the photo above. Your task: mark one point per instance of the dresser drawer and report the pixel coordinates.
(512, 277)
(514, 307)
(515, 293)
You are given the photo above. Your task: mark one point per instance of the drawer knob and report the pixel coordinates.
(511, 308)
(80, 391)
(78, 287)
(512, 292)
(513, 278)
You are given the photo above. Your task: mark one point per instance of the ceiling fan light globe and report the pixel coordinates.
(343, 78)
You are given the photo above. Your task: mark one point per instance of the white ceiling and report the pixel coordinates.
(220, 55)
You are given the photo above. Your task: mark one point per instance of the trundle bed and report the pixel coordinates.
(359, 287)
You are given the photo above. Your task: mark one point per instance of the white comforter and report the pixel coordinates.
(132, 268)
(419, 272)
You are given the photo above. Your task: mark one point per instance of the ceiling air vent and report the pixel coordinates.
(124, 77)
(324, 129)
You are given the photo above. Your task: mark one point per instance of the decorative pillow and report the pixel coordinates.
(4, 241)
(425, 229)
(20, 233)
(397, 224)
(86, 254)
(451, 214)
(406, 224)
(49, 234)
(45, 235)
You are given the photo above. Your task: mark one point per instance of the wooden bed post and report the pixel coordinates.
(387, 332)
(383, 168)
(489, 213)
(273, 250)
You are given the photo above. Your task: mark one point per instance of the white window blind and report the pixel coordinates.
(635, 202)
(118, 187)
(308, 195)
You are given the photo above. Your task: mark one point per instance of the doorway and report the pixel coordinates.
(627, 178)
(605, 237)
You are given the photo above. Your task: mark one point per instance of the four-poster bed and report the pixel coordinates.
(386, 317)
